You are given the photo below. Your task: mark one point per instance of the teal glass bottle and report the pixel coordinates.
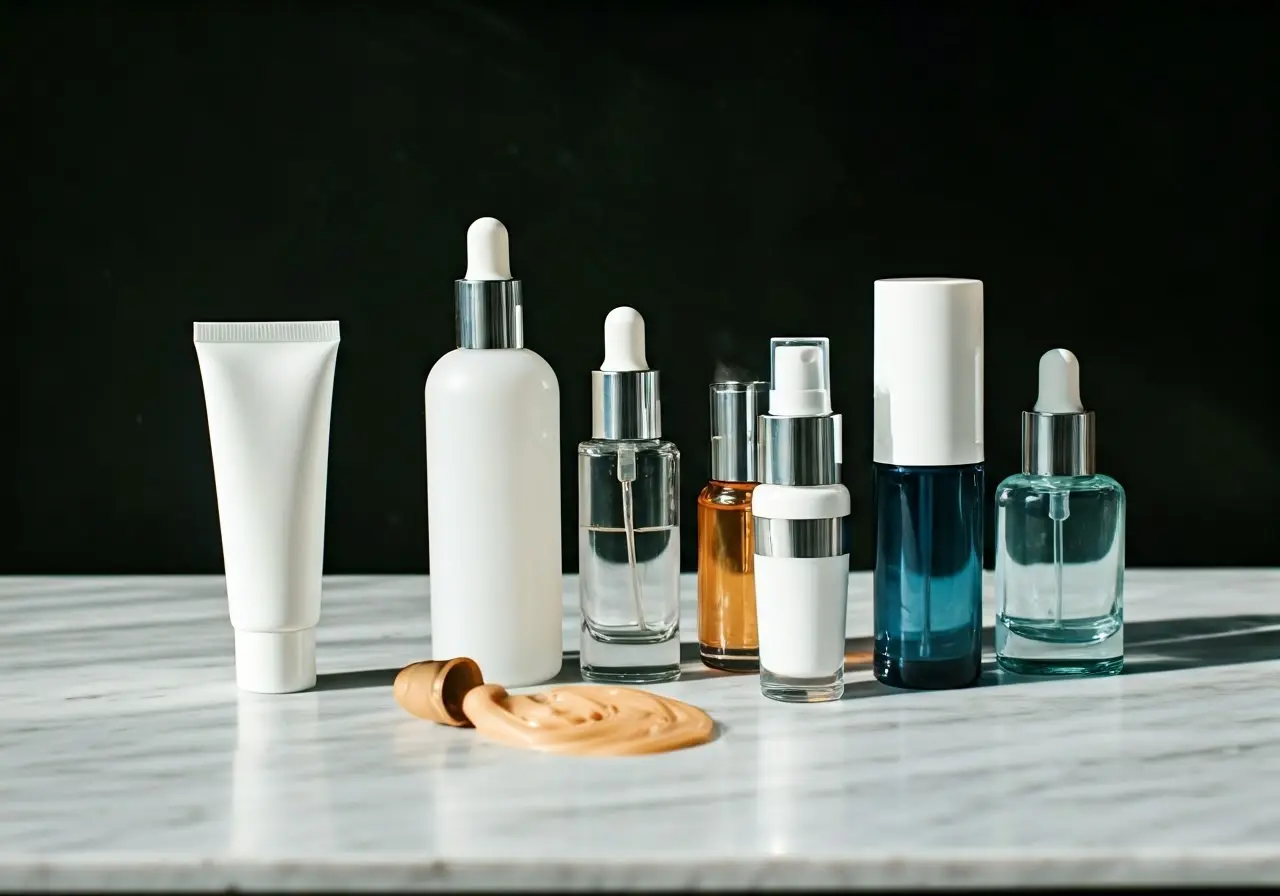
(1060, 528)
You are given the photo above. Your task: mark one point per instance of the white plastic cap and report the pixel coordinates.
(488, 251)
(276, 662)
(800, 383)
(928, 372)
(624, 341)
(1059, 383)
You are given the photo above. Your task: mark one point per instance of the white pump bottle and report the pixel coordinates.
(799, 514)
(493, 481)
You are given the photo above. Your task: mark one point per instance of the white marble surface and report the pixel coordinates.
(129, 760)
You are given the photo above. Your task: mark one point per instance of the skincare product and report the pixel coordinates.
(727, 636)
(800, 512)
(1059, 541)
(493, 480)
(628, 519)
(268, 389)
(928, 454)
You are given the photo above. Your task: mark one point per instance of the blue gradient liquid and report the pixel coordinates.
(928, 577)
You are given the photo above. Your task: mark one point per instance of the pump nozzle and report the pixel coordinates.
(1059, 383)
(801, 384)
(624, 341)
(488, 251)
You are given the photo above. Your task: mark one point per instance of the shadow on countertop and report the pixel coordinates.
(692, 670)
(1161, 646)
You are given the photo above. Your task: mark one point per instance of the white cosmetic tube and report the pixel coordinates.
(268, 389)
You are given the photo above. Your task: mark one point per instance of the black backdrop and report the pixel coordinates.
(735, 171)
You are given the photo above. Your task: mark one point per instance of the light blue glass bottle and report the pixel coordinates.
(1059, 541)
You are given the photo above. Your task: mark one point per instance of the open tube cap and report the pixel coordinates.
(276, 662)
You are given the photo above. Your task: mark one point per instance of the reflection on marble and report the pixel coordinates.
(128, 759)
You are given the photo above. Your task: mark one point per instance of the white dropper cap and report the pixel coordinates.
(1059, 383)
(624, 341)
(801, 384)
(625, 402)
(488, 251)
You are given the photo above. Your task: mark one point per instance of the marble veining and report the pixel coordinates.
(129, 760)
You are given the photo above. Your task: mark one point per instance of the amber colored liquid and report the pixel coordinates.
(727, 633)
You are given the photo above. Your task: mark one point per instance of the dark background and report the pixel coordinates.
(734, 171)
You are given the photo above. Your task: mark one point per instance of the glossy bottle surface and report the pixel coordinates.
(1060, 574)
(629, 559)
(727, 636)
(928, 575)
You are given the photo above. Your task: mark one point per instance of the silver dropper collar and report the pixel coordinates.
(489, 313)
(1058, 444)
(735, 411)
(1057, 435)
(625, 404)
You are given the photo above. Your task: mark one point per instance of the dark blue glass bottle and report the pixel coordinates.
(928, 577)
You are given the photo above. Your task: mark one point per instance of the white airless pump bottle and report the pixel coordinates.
(799, 513)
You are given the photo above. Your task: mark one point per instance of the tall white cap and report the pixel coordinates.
(276, 662)
(928, 372)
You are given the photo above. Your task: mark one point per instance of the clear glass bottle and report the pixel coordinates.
(1059, 542)
(728, 638)
(628, 520)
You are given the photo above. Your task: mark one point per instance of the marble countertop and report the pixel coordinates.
(128, 759)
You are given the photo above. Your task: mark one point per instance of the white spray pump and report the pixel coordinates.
(799, 516)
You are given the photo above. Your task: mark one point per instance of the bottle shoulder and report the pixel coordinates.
(612, 447)
(484, 370)
(727, 494)
(1025, 483)
(800, 502)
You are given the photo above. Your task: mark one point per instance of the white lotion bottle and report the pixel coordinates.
(493, 481)
(799, 515)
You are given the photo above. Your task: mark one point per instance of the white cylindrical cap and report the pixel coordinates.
(276, 662)
(928, 372)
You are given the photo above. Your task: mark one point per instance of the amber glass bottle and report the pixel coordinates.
(726, 584)
(727, 636)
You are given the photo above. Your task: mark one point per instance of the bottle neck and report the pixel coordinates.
(1058, 444)
(489, 313)
(800, 451)
(625, 405)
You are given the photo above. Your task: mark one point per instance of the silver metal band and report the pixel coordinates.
(489, 313)
(625, 405)
(1058, 444)
(800, 450)
(735, 411)
(800, 538)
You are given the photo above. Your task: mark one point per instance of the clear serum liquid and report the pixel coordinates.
(629, 559)
(1060, 574)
